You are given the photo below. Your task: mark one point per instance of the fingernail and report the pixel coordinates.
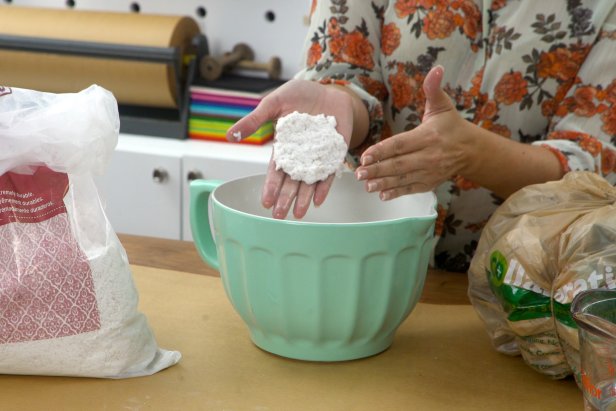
(366, 160)
(237, 136)
(361, 174)
(282, 210)
(371, 187)
(278, 214)
(385, 195)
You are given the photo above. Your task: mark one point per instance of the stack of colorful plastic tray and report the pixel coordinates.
(216, 105)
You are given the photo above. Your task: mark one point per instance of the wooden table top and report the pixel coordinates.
(441, 287)
(441, 358)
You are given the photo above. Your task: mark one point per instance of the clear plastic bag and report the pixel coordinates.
(68, 305)
(543, 246)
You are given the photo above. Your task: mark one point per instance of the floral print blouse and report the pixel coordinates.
(539, 72)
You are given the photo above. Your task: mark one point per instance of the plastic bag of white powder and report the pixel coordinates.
(68, 305)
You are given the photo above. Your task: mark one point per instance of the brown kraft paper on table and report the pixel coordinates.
(441, 359)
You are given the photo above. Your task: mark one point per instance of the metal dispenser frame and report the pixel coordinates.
(151, 121)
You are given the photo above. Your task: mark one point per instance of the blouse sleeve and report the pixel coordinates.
(583, 131)
(343, 47)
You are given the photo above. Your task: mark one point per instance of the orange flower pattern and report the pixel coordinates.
(511, 88)
(440, 220)
(402, 87)
(439, 24)
(543, 81)
(314, 54)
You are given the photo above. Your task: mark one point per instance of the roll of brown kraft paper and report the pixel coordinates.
(133, 82)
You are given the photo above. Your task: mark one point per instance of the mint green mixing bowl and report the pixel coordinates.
(333, 286)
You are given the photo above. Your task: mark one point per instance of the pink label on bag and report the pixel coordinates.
(32, 198)
(46, 286)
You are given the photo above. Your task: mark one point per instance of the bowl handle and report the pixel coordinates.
(200, 191)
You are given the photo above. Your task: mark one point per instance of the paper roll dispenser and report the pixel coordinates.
(147, 61)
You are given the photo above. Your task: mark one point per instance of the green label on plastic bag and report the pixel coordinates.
(520, 302)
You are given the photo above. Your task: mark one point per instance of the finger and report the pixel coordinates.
(422, 157)
(321, 190)
(437, 101)
(393, 167)
(388, 183)
(391, 147)
(304, 197)
(420, 180)
(287, 195)
(249, 124)
(272, 186)
(419, 187)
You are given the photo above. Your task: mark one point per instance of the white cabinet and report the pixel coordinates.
(145, 189)
(226, 163)
(141, 186)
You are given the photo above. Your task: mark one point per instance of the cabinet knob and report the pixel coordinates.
(160, 175)
(194, 175)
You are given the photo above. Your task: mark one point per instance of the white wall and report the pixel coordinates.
(225, 23)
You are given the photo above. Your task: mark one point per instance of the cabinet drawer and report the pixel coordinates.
(216, 169)
(141, 194)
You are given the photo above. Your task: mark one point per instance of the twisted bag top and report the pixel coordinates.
(73, 132)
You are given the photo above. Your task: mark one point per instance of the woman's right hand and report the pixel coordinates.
(279, 190)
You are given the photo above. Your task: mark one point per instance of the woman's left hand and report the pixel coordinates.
(420, 159)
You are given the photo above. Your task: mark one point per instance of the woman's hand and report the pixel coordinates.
(421, 159)
(445, 145)
(279, 190)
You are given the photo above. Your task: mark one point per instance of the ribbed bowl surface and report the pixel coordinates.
(332, 287)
